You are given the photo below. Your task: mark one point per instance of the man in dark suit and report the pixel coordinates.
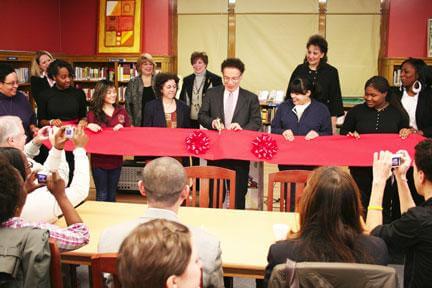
(231, 107)
(196, 85)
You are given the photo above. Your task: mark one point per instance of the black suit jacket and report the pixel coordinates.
(247, 112)
(188, 81)
(154, 115)
(423, 111)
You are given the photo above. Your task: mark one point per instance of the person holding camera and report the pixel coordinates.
(40, 204)
(19, 185)
(380, 113)
(412, 233)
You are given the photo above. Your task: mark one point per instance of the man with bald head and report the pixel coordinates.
(164, 183)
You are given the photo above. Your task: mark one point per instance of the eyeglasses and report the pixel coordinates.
(15, 83)
(233, 79)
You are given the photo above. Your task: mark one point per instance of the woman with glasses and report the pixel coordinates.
(14, 102)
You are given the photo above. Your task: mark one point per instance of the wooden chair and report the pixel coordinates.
(286, 178)
(55, 266)
(103, 263)
(203, 175)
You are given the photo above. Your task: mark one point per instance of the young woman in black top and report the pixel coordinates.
(62, 104)
(380, 113)
(323, 76)
(39, 77)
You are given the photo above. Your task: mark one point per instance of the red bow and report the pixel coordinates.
(264, 147)
(197, 143)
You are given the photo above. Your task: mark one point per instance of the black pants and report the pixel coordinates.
(241, 167)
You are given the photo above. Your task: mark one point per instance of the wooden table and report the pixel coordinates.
(245, 235)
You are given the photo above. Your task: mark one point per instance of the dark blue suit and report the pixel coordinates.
(154, 115)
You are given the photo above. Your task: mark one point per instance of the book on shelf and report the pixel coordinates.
(267, 115)
(91, 73)
(23, 74)
(396, 77)
(88, 93)
(126, 72)
(121, 94)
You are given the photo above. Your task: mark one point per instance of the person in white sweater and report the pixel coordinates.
(41, 205)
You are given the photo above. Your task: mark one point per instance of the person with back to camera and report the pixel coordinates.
(331, 228)
(301, 115)
(76, 234)
(171, 257)
(323, 76)
(411, 234)
(139, 90)
(105, 113)
(380, 113)
(196, 85)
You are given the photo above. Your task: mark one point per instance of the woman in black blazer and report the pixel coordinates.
(323, 76)
(196, 85)
(39, 79)
(166, 110)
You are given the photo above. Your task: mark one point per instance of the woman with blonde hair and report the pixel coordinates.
(139, 90)
(39, 79)
(159, 254)
(331, 227)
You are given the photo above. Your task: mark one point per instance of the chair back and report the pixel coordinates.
(286, 179)
(104, 263)
(331, 275)
(55, 266)
(211, 181)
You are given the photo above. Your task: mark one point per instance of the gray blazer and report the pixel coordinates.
(208, 245)
(247, 112)
(133, 98)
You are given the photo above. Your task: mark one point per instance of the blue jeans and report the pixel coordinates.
(106, 181)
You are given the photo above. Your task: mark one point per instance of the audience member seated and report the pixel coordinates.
(331, 227)
(159, 253)
(105, 113)
(166, 110)
(14, 102)
(164, 185)
(25, 253)
(40, 204)
(412, 232)
(13, 196)
(380, 113)
(12, 135)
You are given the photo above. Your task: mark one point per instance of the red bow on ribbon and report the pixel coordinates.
(264, 147)
(197, 143)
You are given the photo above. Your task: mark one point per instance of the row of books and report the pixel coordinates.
(89, 92)
(23, 74)
(126, 72)
(94, 74)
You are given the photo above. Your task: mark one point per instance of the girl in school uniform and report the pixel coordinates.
(106, 114)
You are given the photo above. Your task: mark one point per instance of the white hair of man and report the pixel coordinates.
(9, 127)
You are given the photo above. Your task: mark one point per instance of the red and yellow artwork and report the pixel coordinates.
(119, 26)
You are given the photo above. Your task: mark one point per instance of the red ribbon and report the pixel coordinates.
(264, 147)
(197, 143)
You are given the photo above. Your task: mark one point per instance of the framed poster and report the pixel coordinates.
(119, 29)
(429, 42)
